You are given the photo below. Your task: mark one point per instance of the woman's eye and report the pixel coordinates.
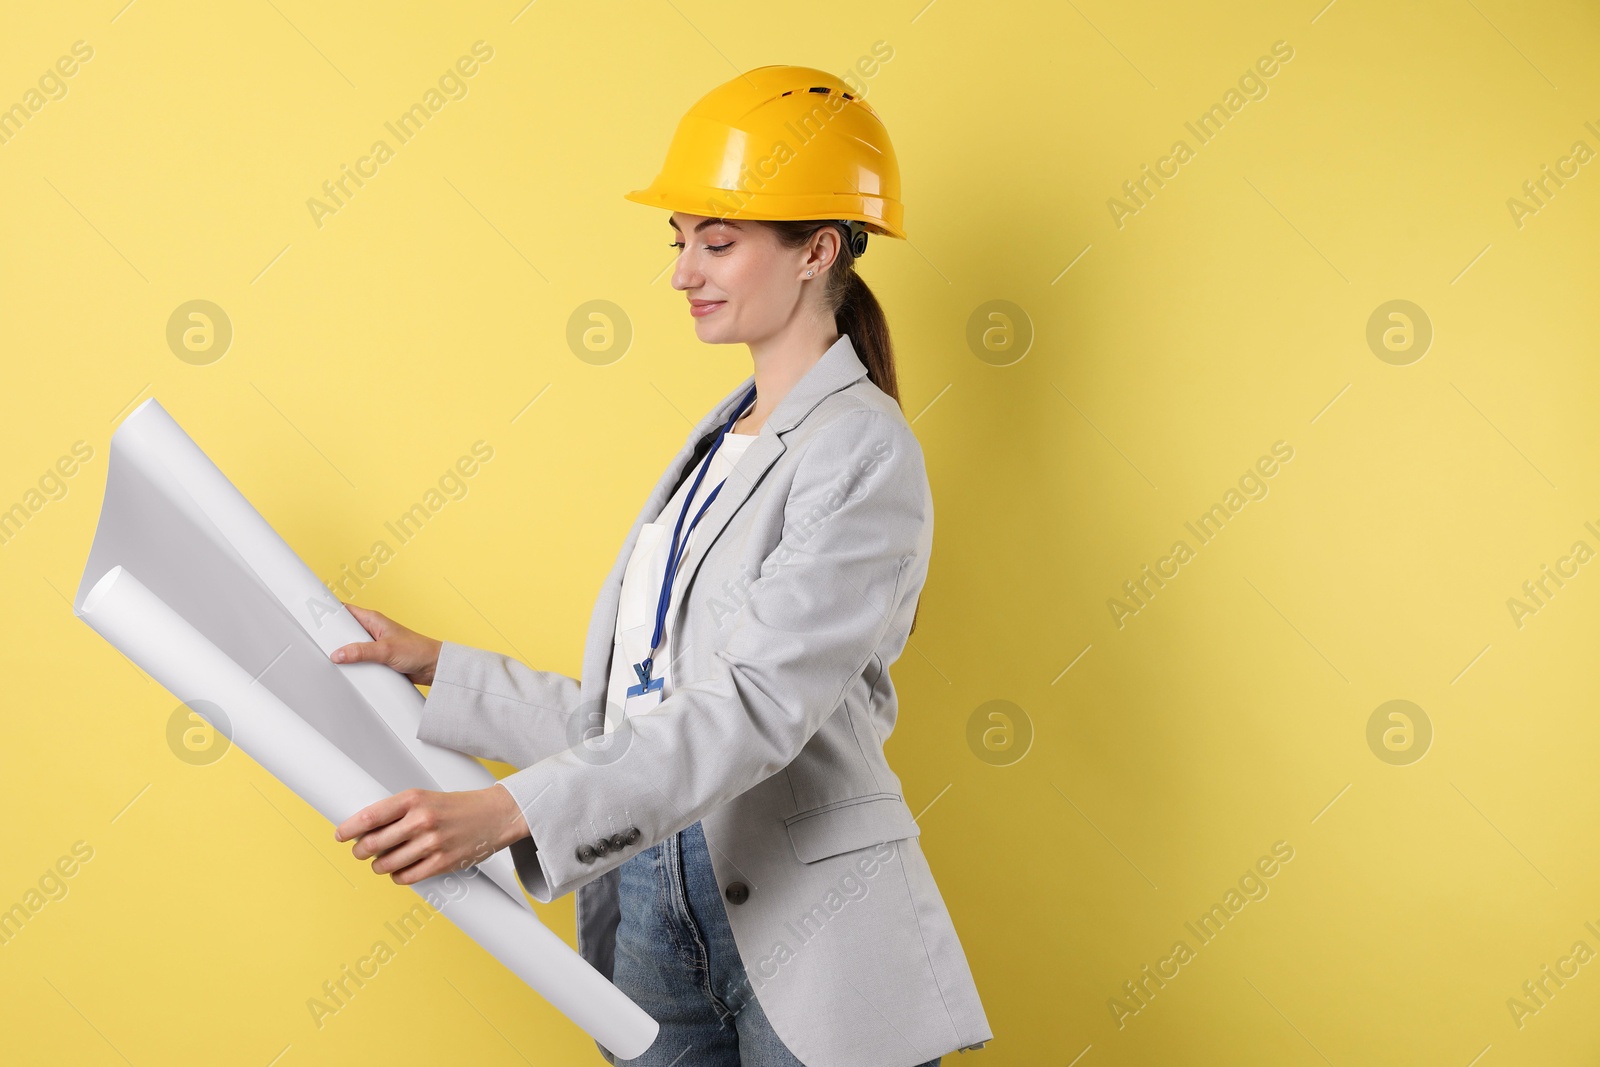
(718, 249)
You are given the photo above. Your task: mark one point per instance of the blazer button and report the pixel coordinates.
(602, 846)
(586, 854)
(618, 841)
(737, 892)
(632, 835)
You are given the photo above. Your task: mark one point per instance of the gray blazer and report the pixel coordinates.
(798, 596)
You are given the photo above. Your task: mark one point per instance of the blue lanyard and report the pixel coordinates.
(674, 556)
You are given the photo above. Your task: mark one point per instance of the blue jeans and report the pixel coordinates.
(676, 958)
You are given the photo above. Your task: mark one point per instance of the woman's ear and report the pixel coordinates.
(824, 249)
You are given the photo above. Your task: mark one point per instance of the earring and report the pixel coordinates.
(808, 274)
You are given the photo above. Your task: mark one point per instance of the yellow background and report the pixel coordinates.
(1229, 313)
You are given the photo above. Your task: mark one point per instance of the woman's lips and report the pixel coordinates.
(701, 310)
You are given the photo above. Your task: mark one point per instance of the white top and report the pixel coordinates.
(641, 582)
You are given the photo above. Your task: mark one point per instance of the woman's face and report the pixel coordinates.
(742, 285)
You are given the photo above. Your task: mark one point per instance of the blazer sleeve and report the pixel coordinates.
(858, 515)
(490, 705)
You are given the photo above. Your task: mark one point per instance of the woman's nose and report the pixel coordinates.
(684, 276)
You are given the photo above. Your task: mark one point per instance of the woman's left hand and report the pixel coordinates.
(420, 833)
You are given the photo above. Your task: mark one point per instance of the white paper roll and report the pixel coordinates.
(222, 610)
(174, 653)
(175, 519)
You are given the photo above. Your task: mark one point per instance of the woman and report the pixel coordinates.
(715, 788)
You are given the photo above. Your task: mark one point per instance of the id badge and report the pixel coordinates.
(642, 698)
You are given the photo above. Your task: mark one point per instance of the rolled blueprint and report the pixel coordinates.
(189, 581)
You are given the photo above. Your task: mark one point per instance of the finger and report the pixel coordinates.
(361, 652)
(406, 855)
(379, 813)
(358, 611)
(416, 872)
(384, 839)
(371, 621)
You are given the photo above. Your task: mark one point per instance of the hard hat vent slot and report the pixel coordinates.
(819, 89)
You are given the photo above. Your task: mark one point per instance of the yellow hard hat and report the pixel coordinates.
(780, 143)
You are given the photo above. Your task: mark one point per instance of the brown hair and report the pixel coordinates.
(855, 312)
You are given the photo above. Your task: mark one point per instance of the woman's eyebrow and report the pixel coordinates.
(707, 222)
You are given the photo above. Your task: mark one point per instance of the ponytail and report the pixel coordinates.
(859, 315)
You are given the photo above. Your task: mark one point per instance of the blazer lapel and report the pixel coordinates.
(838, 367)
(599, 643)
(675, 470)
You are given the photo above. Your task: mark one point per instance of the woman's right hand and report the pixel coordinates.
(406, 651)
